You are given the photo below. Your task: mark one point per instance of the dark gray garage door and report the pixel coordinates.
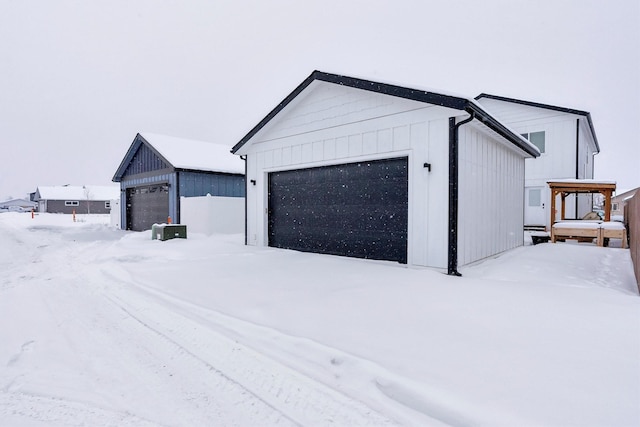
(147, 205)
(356, 209)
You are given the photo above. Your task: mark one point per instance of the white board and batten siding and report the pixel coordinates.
(558, 160)
(564, 133)
(330, 124)
(333, 125)
(490, 196)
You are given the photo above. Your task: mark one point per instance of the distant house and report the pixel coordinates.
(81, 199)
(619, 201)
(567, 142)
(20, 203)
(157, 170)
(351, 167)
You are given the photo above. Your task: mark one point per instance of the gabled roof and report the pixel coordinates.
(626, 194)
(435, 98)
(183, 154)
(78, 192)
(585, 114)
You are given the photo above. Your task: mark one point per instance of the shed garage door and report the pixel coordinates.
(147, 205)
(356, 209)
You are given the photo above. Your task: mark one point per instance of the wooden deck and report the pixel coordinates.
(585, 231)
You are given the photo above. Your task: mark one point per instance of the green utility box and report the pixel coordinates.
(168, 231)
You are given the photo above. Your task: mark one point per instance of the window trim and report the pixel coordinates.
(526, 135)
(71, 203)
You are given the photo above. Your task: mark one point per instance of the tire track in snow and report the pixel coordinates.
(218, 383)
(16, 407)
(142, 373)
(304, 401)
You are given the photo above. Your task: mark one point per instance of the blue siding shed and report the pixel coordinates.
(157, 170)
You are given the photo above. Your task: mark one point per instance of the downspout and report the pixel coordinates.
(578, 164)
(452, 267)
(246, 192)
(176, 220)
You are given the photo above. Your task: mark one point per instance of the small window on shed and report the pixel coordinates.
(537, 139)
(72, 203)
(535, 197)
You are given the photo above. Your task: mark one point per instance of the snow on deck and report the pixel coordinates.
(577, 224)
(612, 225)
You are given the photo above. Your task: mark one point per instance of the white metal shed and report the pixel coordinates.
(352, 167)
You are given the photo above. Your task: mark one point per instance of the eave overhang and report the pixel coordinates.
(429, 97)
(585, 114)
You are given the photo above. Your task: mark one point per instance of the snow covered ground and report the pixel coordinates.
(103, 327)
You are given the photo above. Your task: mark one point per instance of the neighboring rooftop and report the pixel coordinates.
(184, 154)
(78, 192)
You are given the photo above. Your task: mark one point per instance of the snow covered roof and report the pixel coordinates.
(456, 102)
(626, 194)
(78, 192)
(18, 202)
(184, 154)
(196, 155)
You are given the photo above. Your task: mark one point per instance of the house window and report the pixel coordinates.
(107, 205)
(72, 203)
(536, 138)
(535, 197)
(614, 206)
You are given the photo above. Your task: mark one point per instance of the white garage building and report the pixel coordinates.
(352, 167)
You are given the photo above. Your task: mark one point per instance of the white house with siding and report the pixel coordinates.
(352, 167)
(619, 201)
(567, 142)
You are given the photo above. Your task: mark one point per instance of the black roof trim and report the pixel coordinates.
(198, 171)
(449, 101)
(498, 127)
(393, 90)
(547, 107)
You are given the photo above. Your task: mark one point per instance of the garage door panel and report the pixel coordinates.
(356, 209)
(360, 245)
(147, 205)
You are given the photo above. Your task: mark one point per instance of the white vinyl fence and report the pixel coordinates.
(115, 216)
(212, 214)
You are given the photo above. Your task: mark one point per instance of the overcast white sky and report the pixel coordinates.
(79, 79)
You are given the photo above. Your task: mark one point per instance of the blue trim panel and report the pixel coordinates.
(193, 184)
(145, 160)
